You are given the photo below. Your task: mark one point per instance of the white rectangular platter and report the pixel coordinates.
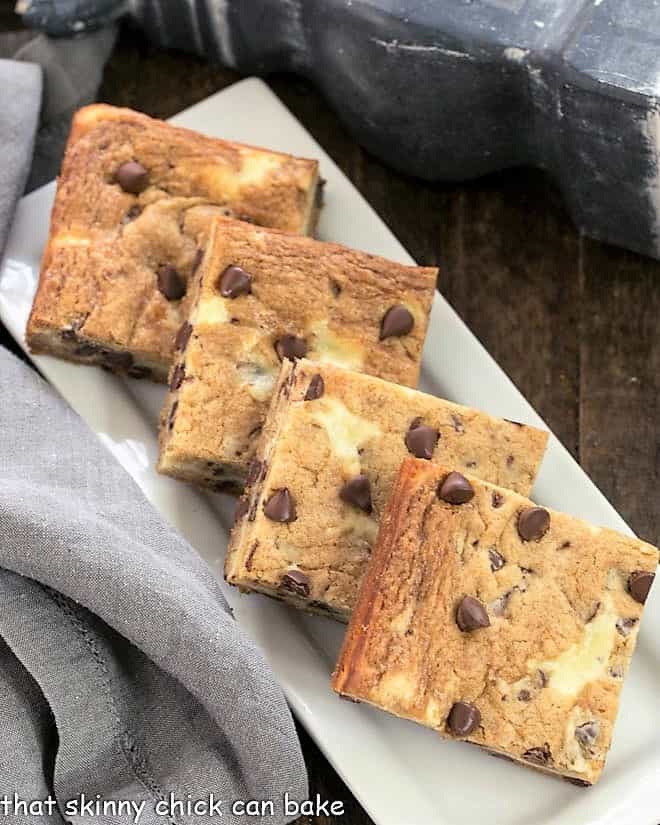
(402, 774)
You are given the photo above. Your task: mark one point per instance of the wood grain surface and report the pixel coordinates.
(573, 322)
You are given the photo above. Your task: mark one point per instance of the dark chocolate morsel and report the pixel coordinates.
(533, 523)
(281, 506)
(397, 321)
(455, 489)
(497, 561)
(199, 257)
(471, 614)
(421, 440)
(497, 500)
(463, 718)
(254, 471)
(290, 346)
(538, 756)
(357, 492)
(183, 336)
(524, 695)
(132, 177)
(234, 281)
(241, 509)
(587, 733)
(316, 388)
(178, 375)
(170, 283)
(297, 582)
(639, 584)
(172, 415)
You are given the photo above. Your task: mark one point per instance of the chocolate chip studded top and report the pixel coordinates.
(533, 523)
(171, 283)
(461, 618)
(280, 506)
(455, 489)
(234, 281)
(421, 439)
(397, 321)
(132, 177)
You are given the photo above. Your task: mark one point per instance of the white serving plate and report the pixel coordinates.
(401, 773)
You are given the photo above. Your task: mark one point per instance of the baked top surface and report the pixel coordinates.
(358, 425)
(100, 269)
(331, 298)
(546, 673)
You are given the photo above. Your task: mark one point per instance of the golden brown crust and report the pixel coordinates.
(545, 672)
(359, 425)
(98, 284)
(332, 297)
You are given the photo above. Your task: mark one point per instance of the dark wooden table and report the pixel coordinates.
(574, 323)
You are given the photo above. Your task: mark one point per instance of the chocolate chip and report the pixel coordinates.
(463, 718)
(117, 360)
(281, 506)
(170, 283)
(297, 582)
(421, 440)
(471, 614)
(316, 388)
(455, 489)
(254, 471)
(139, 372)
(199, 257)
(290, 346)
(397, 321)
(639, 584)
(497, 500)
(234, 281)
(357, 492)
(497, 561)
(241, 509)
(132, 177)
(172, 415)
(587, 733)
(538, 756)
(533, 523)
(177, 377)
(624, 626)
(581, 783)
(131, 214)
(524, 695)
(183, 336)
(335, 288)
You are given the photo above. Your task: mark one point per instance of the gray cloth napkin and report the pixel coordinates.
(122, 672)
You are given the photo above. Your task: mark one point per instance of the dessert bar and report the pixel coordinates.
(331, 448)
(491, 619)
(131, 216)
(264, 297)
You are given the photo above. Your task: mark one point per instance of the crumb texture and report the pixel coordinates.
(338, 455)
(532, 635)
(265, 296)
(114, 235)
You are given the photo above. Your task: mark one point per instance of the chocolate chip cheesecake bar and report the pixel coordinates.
(331, 448)
(490, 619)
(131, 215)
(266, 297)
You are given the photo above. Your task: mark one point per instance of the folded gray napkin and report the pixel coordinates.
(127, 691)
(122, 672)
